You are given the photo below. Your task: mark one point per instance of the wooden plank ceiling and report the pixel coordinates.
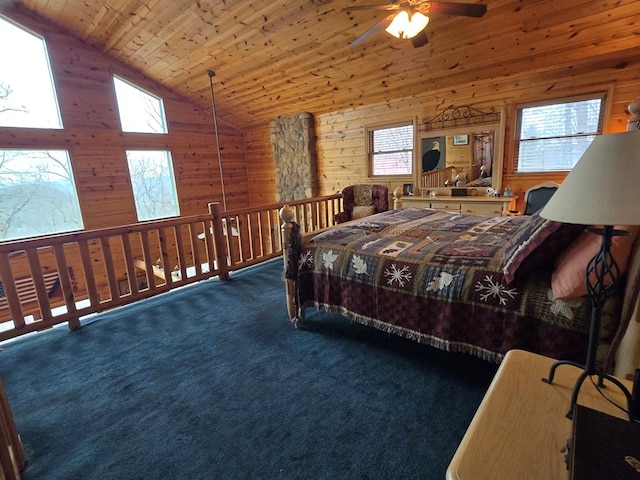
(275, 58)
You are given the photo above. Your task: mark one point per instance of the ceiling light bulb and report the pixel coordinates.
(405, 25)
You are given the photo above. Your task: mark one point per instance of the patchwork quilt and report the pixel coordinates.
(459, 282)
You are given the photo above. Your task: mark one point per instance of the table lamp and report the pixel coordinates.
(601, 190)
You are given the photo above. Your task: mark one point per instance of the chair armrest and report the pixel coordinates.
(341, 217)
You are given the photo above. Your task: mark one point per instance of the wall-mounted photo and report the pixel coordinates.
(461, 139)
(407, 189)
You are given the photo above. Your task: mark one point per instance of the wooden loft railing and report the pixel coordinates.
(50, 280)
(436, 178)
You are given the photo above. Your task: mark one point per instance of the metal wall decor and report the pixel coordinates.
(459, 116)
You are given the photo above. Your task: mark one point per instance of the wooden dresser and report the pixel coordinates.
(475, 205)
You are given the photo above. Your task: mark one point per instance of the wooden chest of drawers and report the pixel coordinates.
(492, 206)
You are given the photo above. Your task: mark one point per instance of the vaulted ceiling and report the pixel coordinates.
(274, 58)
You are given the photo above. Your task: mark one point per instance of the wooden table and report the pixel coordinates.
(520, 428)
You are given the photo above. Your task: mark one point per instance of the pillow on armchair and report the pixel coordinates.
(359, 211)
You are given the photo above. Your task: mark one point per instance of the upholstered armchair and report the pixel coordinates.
(362, 200)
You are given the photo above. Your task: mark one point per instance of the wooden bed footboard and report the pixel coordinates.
(288, 217)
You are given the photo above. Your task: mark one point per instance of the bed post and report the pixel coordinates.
(397, 198)
(287, 216)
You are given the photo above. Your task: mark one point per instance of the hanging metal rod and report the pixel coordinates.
(215, 129)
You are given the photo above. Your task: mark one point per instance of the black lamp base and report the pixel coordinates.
(583, 376)
(602, 274)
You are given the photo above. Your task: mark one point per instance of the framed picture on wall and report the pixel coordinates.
(407, 189)
(461, 139)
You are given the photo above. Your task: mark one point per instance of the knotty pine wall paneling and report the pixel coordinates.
(260, 166)
(83, 80)
(341, 142)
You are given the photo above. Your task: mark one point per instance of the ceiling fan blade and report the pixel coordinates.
(370, 7)
(381, 25)
(463, 9)
(420, 40)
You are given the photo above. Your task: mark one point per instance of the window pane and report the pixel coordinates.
(154, 188)
(140, 112)
(392, 151)
(574, 118)
(393, 139)
(398, 163)
(37, 194)
(27, 94)
(554, 137)
(556, 154)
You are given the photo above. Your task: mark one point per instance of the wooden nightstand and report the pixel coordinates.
(520, 428)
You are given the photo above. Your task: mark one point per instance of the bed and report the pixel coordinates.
(464, 283)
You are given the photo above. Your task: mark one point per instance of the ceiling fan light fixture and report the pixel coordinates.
(407, 25)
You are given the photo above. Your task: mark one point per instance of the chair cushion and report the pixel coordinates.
(360, 211)
(537, 198)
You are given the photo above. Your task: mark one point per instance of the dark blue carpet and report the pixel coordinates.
(212, 382)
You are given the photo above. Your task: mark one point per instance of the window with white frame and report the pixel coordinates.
(552, 136)
(390, 150)
(27, 92)
(37, 194)
(153, 183)
(140, 111)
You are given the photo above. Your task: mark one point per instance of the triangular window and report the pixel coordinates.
(27, 93)
(140, 111)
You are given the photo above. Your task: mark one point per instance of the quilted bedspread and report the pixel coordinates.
(439, 278)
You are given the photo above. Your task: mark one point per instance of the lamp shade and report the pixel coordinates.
(604, 186)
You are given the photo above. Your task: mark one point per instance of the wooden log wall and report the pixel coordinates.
(96, 145)
(83, 80)
(341, 146)
(92, 133)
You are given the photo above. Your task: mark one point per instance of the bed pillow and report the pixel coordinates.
(480, 182)
(359, 211)
(568, 279)
(536, 242)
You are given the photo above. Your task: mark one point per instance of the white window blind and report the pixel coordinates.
(392, 150)
(554, 136)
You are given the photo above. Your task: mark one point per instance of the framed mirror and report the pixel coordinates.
(460, 147)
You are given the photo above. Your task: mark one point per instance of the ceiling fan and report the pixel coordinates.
(410, 18)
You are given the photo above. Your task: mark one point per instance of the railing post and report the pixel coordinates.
(287, 216)
(10, 291)
(218, 239)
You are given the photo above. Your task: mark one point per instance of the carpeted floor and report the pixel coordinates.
(212, 382)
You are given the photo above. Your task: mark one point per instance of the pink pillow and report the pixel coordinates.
(568, 279)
